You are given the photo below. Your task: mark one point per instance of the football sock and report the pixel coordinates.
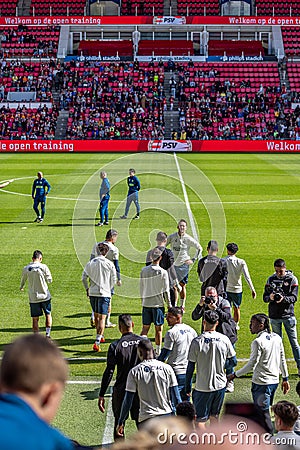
(48, 331)
(98, 338)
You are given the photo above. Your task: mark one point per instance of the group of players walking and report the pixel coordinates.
(152, 388)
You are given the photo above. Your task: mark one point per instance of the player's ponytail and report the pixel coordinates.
(264, 320)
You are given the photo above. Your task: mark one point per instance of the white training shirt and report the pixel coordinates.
(38, 275)
(154, 286)
(102, 275)
(180, 246)
(152, 380)
(112, 254)
(178, 339)
(209, 351)
(266, 360)
(236, 267)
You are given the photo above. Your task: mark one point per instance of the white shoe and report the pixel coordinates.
(110, 325)
(230, 386)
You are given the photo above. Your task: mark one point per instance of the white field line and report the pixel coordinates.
(186, 199)
(108, 433)
(251, 202)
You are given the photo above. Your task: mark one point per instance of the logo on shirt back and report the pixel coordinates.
(126, 344)
(184, 331)
(148, 369)
(210, 340)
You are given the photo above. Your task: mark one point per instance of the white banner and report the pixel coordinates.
(170, 58)
(169, 20)
(169, 146)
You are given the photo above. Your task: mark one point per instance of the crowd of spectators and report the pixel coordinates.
(20, 76)
(28, 123)
(25, 122)
(30, 41)
(113, 100)
(128, 100)
(212, 106)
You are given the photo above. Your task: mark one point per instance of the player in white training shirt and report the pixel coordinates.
(181, 243)
(155, 383)
(176, 347)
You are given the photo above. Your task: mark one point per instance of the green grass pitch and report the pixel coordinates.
(250, 199)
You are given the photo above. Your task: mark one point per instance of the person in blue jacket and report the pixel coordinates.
(104, 199)
(40, 190)
(32, 377)
(134, 186)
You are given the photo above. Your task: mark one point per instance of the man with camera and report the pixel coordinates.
(214, 302)
(281, 292)
(226, 325)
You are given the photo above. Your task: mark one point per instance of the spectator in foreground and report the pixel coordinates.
(297, 424)
(286, 414)
(187, 411)
(33, 376)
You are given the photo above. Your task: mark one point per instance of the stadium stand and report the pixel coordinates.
(194, 7)
(113, 100)
(140, 7)
(233, 101)
(269, 8)
(235, 48)
(106, 48)
(58, 8)
(294, 76)
(290, 36)
(164, 47)
(28, 123)
(133, 100)
(23, 77)
(30, 41)
(8, 8)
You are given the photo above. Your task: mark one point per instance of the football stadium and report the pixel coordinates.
(128, 118)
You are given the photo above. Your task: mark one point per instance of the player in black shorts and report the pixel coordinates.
(123, 355)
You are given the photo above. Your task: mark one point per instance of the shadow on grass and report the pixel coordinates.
(42, 329)
(57, 225)
(87, 218)
(78, 316)
(90, 395)
(132, 314)
(19, 221)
